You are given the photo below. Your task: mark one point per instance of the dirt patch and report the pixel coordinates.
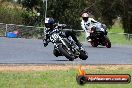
(17, 68)
(32, 68)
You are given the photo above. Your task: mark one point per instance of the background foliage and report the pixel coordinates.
(66, 11)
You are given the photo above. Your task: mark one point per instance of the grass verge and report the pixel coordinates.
(56, 76)
(120, 39)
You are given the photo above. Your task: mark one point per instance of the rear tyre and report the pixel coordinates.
(64, 51)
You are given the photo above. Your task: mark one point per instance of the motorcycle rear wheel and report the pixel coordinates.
(64, 51)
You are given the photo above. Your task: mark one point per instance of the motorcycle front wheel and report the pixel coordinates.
(94, 43)
(107, 42)
(83, 55)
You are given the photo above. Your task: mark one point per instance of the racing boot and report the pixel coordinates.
(89, 39)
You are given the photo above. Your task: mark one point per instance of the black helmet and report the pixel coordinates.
(49, 22)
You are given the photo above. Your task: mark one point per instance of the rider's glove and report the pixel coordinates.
(45, 43)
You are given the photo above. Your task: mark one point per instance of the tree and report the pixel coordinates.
(30, 4)
(127, 15)
(66, 11)
(32, 7)
(10, 13)
(107, 10)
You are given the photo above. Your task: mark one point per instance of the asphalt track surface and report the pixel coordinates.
(31, 51)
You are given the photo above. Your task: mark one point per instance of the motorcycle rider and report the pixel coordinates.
(88, 23)
(50, 26)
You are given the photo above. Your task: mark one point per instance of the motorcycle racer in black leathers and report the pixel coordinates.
(50, 27)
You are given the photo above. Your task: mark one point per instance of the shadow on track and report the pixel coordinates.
(60, 60)
(95, 47)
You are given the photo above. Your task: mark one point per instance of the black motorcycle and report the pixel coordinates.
(66, 47)
(99, 37)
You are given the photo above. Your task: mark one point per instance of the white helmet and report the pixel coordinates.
(85, 16)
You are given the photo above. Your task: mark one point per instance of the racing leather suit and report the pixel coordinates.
(88, 25)
(66, 33)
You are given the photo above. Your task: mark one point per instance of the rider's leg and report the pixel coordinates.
(88, 37)
(70, 33)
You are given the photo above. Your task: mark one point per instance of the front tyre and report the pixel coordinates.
(94, 43)
(63, 50)
(107, 42)
(56, 53)
(83, 55)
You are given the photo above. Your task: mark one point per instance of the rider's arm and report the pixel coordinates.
(83, 26)
(93, 20)
(46, 33)
(46, 37)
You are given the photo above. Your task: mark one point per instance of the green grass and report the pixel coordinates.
(55, 79)
(116, 29)
(119, 38)
(82, 37)
(2, 32)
